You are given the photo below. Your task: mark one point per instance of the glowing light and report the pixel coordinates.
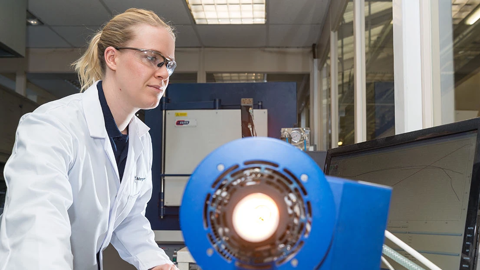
(474, 17)
(256, 217)
(340, 143)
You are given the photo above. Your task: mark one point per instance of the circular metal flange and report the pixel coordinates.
(271, 167)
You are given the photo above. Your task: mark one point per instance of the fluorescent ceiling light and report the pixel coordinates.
(473, 18)
(227, 11)
(239, 77)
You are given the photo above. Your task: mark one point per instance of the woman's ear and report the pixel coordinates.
(111, 58)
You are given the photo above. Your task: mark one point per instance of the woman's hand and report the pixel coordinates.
(165, 267)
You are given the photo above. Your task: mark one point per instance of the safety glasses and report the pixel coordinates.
(154, 58)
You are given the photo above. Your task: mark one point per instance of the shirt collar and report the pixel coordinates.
(110, 124)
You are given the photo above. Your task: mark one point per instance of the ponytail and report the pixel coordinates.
(89, 67)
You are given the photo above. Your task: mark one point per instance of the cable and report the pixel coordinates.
(387, 263)
(400, 259)
(253, 122)
(250, 128)
(254, 132)
(411, 251)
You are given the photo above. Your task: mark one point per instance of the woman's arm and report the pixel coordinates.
(35, 227)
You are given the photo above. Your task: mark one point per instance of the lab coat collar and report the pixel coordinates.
(95, 120)
(140, 127)
(93, 112)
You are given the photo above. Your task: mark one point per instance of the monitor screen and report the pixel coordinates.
(434, 201)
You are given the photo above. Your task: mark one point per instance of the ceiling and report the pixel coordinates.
(70, 24)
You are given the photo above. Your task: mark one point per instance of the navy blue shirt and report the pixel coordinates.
(118, 141)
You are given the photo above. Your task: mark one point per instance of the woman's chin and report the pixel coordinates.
(151, 105)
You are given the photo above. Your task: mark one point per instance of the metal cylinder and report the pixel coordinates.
(216, 103)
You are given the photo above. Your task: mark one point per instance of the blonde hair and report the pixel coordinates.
(118, 31)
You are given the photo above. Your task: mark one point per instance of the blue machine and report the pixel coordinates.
(318, 222)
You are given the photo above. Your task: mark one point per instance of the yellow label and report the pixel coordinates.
(181, 114)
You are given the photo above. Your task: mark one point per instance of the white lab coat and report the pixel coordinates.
(65, 202)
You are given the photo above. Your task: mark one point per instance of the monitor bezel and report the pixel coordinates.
(472, 220)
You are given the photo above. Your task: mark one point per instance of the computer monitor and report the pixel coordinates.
(435, 178)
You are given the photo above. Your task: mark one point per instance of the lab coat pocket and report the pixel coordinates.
(133, 191)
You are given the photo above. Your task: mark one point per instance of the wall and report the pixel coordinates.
(13, 28)
(188, 60)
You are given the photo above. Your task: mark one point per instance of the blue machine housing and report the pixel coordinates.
(347, 219)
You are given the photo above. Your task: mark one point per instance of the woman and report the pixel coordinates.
(79, 176)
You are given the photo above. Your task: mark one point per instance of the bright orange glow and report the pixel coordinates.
(256, 217)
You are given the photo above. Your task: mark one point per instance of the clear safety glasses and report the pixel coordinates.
(155, 59)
